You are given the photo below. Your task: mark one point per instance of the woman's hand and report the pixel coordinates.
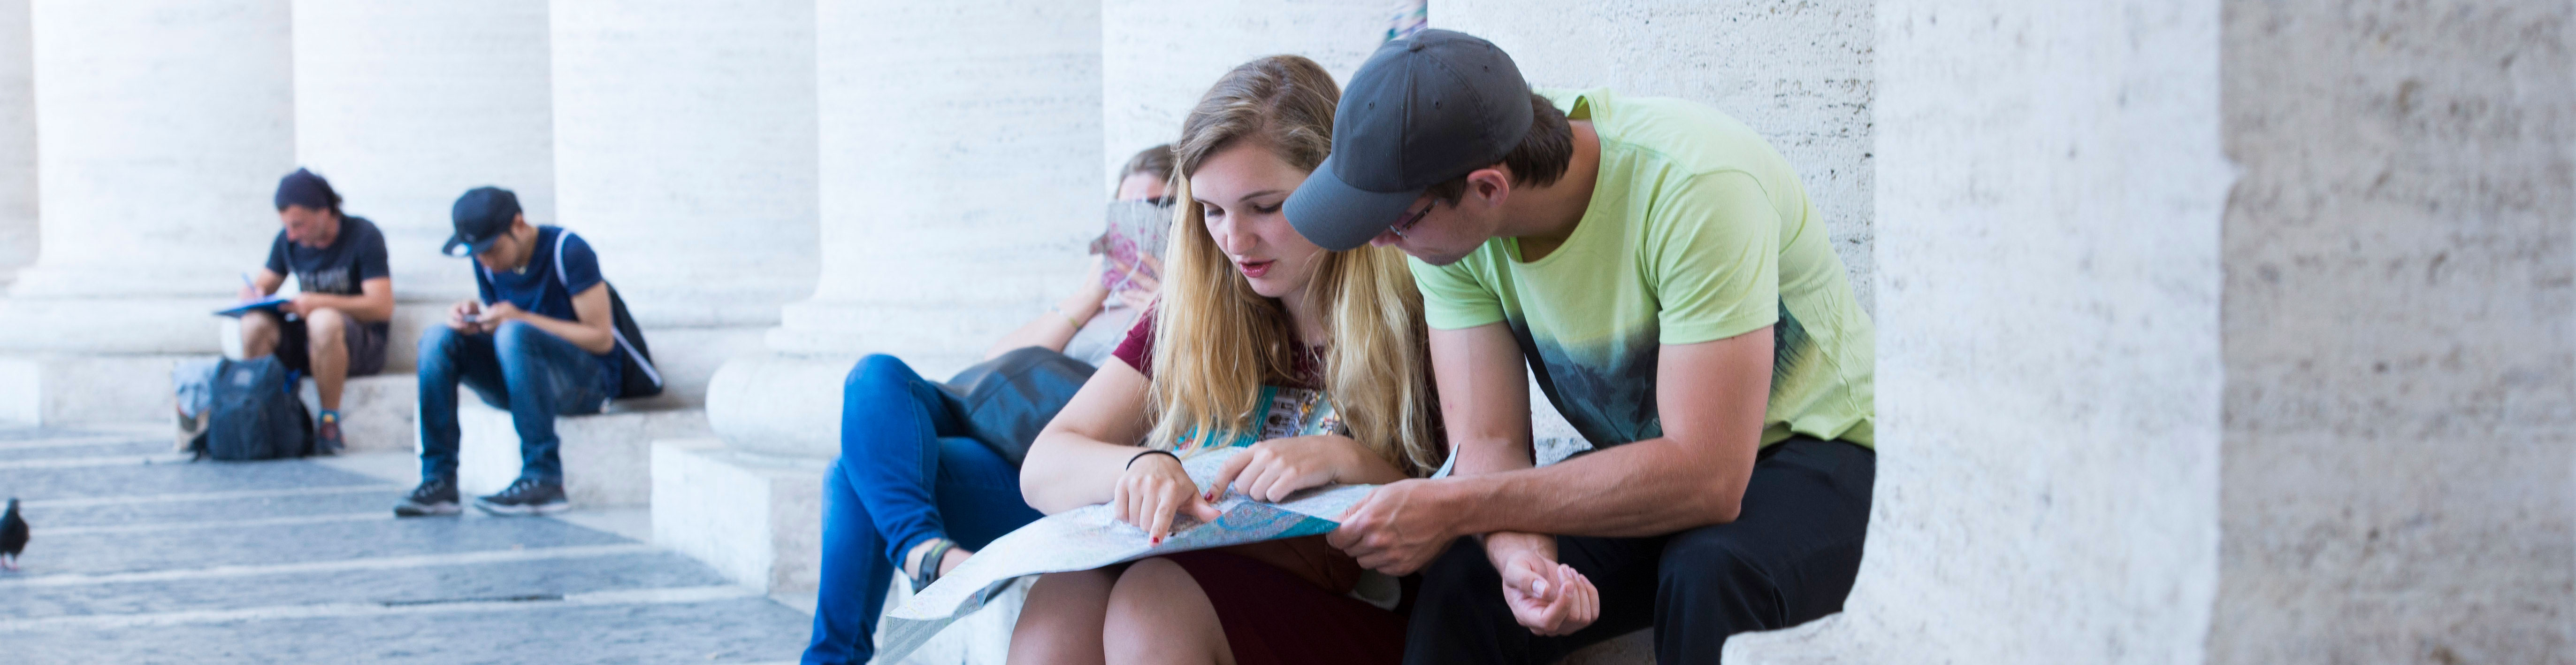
(1142, 281)
(1155, 489)
(1271, 470)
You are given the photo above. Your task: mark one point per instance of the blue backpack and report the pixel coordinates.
(254, 414)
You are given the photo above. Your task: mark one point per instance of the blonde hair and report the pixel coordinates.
(1216, 341)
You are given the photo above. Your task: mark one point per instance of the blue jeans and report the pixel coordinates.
(907, 473)
(533, 374)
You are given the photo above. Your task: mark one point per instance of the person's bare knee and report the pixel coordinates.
(325, 326)
(1158, 614)
(1060, 621)
(259, 332)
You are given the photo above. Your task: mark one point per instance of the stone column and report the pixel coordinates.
(684, 145)
(404, 106)
(2049, 188)
(18, 236)
(162, 127)
(959, 153)
(2400, 328)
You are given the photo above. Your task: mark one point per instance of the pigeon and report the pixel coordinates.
(13, 536)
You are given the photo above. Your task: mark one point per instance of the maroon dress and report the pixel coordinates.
(1282, 601)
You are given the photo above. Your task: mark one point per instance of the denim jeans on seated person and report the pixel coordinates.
(519, 367)
(907, 473)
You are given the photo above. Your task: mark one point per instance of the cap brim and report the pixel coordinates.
(1337, 216)
(471, 248)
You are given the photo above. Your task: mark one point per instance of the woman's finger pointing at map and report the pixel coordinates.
(1225, 476)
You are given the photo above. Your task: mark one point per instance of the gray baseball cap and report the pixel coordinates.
(1422, 111)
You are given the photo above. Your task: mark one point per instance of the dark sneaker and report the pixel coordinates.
(433, 497)
(326, 435)
(525, 497)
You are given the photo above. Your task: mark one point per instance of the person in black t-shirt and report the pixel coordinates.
(335, 328)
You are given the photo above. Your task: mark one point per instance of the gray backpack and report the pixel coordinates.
(255, 414)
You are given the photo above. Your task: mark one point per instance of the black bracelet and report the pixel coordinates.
(1131, 462)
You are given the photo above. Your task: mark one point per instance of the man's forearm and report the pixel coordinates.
(589, 339)
(1649, 487)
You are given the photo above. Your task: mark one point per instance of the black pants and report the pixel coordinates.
(1788, 558)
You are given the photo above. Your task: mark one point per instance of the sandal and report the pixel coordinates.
(926, 569)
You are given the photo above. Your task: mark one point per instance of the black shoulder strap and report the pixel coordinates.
(622, 344)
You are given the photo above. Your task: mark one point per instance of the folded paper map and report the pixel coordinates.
(1136, 230)
(1088, 537)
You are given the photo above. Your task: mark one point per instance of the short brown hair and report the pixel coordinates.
(1155, 161)
(1541, 158)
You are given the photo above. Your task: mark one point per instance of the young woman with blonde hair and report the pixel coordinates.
(1251, 316)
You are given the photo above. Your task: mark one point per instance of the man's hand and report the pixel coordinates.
(462, 317)
(1153, 490)
(1547, 597)
(301, 305)
(498, 313)
(1399, 527)
(1271, 470)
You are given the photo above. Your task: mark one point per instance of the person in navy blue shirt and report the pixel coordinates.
(335, 328)
(539, 342)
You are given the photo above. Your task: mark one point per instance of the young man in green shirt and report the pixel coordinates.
(1660, 270)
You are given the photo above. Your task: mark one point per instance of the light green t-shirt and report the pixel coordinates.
(1697, 231)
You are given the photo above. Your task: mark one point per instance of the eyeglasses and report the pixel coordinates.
(1416, 218)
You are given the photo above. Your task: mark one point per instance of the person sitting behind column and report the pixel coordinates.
(539, 343)
(335, 328)
(889, 508)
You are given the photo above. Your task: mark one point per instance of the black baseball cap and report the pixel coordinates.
(1422, 111)
(482, 214)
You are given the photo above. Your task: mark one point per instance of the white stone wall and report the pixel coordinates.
(684, 145)
(1798, 71)
(1159, 56)
(404, 106)
(17, 142)
(2049, 185)
(2401, 293)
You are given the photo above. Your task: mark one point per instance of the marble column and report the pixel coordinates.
(684, 147)
(403, 106)
(2050, 185)
(959, 167)
(161, 129)
(18, 236)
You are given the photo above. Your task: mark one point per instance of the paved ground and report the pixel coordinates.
(142, 557)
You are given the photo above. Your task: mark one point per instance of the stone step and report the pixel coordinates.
(53, 388)
(607, 458)
(376, 412)
(757, 520)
